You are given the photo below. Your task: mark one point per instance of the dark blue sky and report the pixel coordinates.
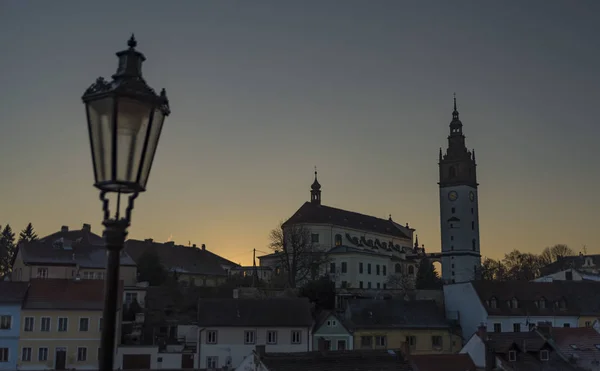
(261, 91)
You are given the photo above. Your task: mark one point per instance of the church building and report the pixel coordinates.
(363, 252)
(459, 211)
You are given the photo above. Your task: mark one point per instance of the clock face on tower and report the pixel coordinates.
(452, 196)
(471, 196)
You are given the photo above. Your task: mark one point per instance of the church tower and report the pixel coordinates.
(315, 191)
(459, 212)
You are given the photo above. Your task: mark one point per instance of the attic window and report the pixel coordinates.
(493, 303)
(513, 303)
(541, 303)
(544, 355)
(512, 355)
(574, 347)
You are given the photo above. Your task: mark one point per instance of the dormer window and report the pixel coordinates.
(588, 261)
(541, 303)
(561, 304)
(512, 356)
(493, 303)
(513, 303)
(544, 355)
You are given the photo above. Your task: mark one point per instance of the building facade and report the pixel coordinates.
(12, 295)
(330, 333)
(459, 210)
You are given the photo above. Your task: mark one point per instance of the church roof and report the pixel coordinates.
(320, 214)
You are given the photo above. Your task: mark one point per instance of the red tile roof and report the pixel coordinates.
(580, 344)
(442, 362)
(12, 292)
(67, 294)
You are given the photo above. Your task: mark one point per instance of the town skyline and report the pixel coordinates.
(259, 98)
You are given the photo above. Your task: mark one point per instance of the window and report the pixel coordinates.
(369, 268)
(472, 211)
(384, 286)
(3, 354)
(99, 275)
(398, 268)
(377, 269)
(453, 210)
(271, 337)
(378, 286)
(412, 342)
(544, 355)
(314, 238)
(497, 327)
(42, 273)
(326, 344)
(84, 324)
(566, 325)
(360, 268)
(380, 341)
(331, 267)
(88, 275)
(130, 297)
(512, 355)
(473, 244)
(513, 303)
(541, 303)
(516, 327)
(569, 276)
(493, 303)
(344, 267)
(451, 238)
(212, 362)
(42, 354)
(28, 324)
(338, 240)
(26, 354)
(411, 269)
(368, 285)
(360, 284)
(5, 322)
(366, 342)
(332, 323)
(211, 337)
(341, 345)
(63, 324)
(100, 324)
(81, 354)
(436, 342)
(249, 337)
(384, 270)
(45, 326)
(473, 226)
(296, 337)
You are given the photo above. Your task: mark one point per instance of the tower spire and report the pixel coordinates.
(315, 191)
(455, 112)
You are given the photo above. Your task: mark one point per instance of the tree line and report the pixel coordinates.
(517, 265)
(8, 245)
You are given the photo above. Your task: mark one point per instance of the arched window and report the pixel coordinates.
(452, 172)
(338, 240)
(473, 244)
(411, 269)
(398, 268)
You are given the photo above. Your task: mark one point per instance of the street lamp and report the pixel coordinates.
(125, 117)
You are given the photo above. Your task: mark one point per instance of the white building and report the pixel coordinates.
(363, 251)
(330, 333)
(570, 274)
(517, 306)
(459, 210)
(230, 329)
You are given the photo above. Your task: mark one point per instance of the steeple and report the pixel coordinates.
(315, 191)
(455, 124)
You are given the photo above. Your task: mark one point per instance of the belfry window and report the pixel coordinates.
(452, 172)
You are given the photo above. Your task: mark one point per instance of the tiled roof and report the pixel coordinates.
(355, 360)
(12, 292)
(271, 312)
(442, 362)
(83, 235)
(504, 341)
(66, 294)
(580, 344)
(320, 214)
(578, 296)
(396, 313)
(72, 253)
(183, 259)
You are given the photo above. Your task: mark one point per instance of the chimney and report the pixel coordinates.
(194, 245)
(149, 240)
(482, 332)
(64, 228)
(260, 350)
(86, 227)
(490, 356)
(203, 247)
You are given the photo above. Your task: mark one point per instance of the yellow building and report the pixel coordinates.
(586, 321)
(390, 324)
(61, 324)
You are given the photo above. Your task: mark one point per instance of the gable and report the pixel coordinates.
(332, 326)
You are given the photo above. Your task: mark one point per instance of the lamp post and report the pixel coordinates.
(125, 117)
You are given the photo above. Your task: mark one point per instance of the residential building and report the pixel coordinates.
(569, 274)
(12, 295)
(62, 324)
(517, 306)
(232, 328)
(362, 251)
(442, 362)
(356, 360)
(330, 333)
(514, 351)
(192, 265)
(459, 210)
(262, 273)
(581, 346)
(388, 324)
(589, 264)
(70, 254)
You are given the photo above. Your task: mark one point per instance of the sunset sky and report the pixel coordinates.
(262, 91)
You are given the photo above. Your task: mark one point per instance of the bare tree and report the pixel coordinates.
(551, 254)
(400, 281)
(298, 256)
